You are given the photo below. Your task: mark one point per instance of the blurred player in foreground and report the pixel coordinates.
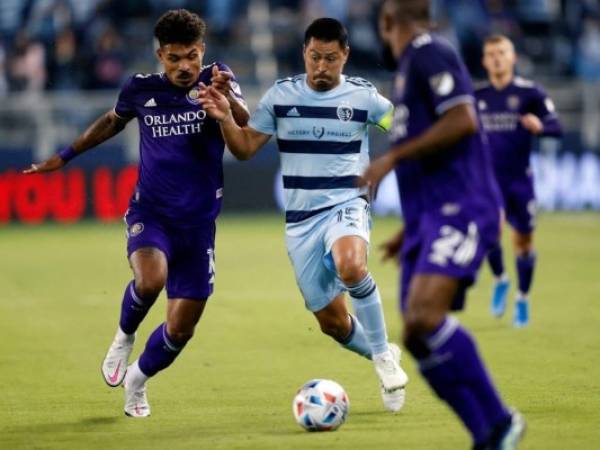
(321, 120)
(171, 216)
(451, 210)
(513, 111)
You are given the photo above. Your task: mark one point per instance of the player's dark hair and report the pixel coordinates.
(411, 10)
(327, 29)
(179, 26)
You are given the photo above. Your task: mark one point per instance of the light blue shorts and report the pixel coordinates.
(309, 247)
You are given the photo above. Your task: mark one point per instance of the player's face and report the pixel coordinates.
(324, 62)
(499, 58)
(182, 63)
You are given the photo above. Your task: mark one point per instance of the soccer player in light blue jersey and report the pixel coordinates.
(321, 121)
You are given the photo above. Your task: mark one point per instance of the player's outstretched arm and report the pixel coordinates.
(101, 130)
(243, 142)
(455, 124)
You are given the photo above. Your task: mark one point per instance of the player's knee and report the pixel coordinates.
(179, 335)
(149, 286)
(335, 327)
(352, 270)
(421, 321)
(523, 244)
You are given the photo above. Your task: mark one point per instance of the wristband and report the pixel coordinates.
(67, 154)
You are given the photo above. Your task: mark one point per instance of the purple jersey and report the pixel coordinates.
(501, 111)
(457, 181)
(181, 149)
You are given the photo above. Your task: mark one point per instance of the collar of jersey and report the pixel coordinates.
(320, 95)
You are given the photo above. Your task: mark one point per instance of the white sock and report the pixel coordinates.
(123, 337)
(135, 378)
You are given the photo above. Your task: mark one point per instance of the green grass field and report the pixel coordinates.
(232, 387)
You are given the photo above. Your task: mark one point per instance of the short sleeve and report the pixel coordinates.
(446, 79)
(381, 111)
(263, 119)
(542, 106)
(235, 87)
(125, 106)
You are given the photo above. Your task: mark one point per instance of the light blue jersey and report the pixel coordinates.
(322, 138)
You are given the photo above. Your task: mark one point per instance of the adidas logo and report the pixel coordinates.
(150, 103)
(293, 112)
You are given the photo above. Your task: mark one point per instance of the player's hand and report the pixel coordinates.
(221, 80)
(376, 171)
(532, 123)
(54, 163)
(392, 246)
(214, 102)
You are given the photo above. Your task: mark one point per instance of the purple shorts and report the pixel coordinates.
(453, 246)
(518, 198)
(189, 251)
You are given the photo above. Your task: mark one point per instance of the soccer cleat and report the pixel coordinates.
(115, 362)
(521, 317)
(498, 305)
(513, 434)
(136, 401)
(392, 378)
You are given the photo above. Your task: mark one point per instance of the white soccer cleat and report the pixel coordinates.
(136, 401)
(115, 362)
(393, 401)
(392, 378)
(514, 434)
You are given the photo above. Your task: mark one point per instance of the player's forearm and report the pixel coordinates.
(105, 127)
(456, 124)
(237, 139)
(238, 110)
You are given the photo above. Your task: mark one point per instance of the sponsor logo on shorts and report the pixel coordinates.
(136, 229)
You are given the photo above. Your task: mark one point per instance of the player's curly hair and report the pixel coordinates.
(179, 26)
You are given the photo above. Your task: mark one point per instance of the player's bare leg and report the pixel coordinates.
(524, 251)
(350, 258)
(449, 360)
(163, 346)
(149, 267)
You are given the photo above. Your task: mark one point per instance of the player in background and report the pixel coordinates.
(321, 121)
(513, 112)
(451, 209)
(171, 215)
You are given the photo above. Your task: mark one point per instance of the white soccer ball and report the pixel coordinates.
(321, 405)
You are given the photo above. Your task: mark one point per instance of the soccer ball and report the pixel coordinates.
(321, 405)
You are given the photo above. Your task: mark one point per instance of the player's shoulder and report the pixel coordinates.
(144, 81)
(359, 83)
(207, 68)
(427, 44)
(524, 83)
(287, 82)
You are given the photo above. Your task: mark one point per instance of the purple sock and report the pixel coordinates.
(133, 309)
(456, 373)
(495, 259)
(525, 266)
(159, 353)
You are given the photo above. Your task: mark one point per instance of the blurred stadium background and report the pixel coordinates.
(63, 61)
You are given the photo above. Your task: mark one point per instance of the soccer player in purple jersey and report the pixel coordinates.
(171, 215)
(451, 209)
(513, 111)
